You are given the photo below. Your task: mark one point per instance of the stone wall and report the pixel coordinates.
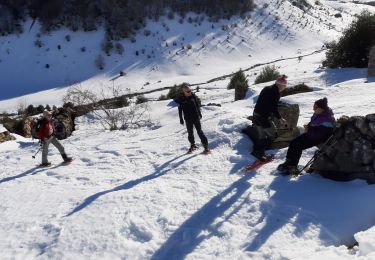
(350, 154)
(6, 136)
(371, 63)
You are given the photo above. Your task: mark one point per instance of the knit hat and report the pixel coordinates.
(322, 103)
(281, 80)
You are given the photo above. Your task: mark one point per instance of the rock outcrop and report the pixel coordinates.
(6, 136)
(350, 153)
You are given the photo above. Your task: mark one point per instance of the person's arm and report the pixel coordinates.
(275, 106)
(197, 104)
(180, 114)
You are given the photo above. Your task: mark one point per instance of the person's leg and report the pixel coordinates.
(189, 128)
(270, 134)
(264, 135)
(45, 152)
(201, 135)
(296, 147)
(61, 149)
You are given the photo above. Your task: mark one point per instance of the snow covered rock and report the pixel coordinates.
(350, 154)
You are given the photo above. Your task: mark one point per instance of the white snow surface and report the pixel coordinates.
(2, 128)
(136, 194)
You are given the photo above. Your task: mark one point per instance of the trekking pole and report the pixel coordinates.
(318, 153)
(36, 152)
(40, 147)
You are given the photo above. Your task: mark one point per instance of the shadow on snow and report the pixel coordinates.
(337, 208)
(201, 225)
(159, 171)
(31, 171)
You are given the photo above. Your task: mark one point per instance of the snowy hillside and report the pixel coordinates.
(136, 194)
(275, 30)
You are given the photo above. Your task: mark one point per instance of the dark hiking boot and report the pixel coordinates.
(66, 158)
(192, 148)
(259, 155)
(291, 170)
(46, 164)
(284, 166)
(206, 150)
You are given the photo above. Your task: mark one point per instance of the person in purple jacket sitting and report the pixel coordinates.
(317, 131)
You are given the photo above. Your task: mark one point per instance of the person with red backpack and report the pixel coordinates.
(46, 134)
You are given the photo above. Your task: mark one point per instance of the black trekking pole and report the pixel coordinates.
(318, 153)
(40, 147)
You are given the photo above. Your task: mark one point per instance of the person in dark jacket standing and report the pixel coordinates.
(317, 131)
(46, 134)
(265, 110)
(188, 105)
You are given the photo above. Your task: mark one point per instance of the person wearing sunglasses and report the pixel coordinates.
(46, 134)
(189, 106)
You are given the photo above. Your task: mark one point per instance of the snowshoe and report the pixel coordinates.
(66, 158)
(258, 163)
(260, 155)
(206, 151)
(47, 164)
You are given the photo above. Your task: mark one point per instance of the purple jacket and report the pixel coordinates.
(321, 126)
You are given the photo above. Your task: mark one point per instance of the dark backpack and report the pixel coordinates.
(35, 125)
(60, 130)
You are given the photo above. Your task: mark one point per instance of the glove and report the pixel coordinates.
(181, 121)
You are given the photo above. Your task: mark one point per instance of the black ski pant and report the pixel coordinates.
(296, 147)
(190, 124)
(265, 133)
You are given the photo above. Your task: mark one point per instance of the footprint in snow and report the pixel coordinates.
(137, 233)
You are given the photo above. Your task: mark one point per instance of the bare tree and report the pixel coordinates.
(21, 106)
(111, 107)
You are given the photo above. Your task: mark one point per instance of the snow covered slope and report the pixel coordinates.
(137, 195)
(276, 29)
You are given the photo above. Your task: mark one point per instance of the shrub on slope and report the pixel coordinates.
(352, 49)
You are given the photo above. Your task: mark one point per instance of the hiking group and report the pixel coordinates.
(316, 132)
